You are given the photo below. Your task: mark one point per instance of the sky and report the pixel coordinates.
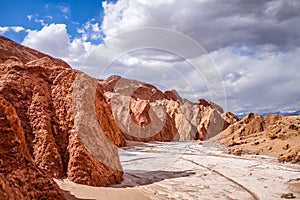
(250, 48)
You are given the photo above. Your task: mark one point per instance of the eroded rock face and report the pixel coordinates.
(41, 90)
(273, 135)
(106, 120)
(144, 113)
(72, 125)
(94, 158)
(36, 92)
(12, 50)
(19, 176)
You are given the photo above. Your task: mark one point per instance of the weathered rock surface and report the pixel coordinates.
(94, 158)
(24, 54)
(66, 124)
(144, 113)
(106, 120)
(19, 176)
(40, 89)
(273, 135)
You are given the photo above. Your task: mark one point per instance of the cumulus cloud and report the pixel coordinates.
(163, 57)
(90, 31)
(263, 82)
(3, 29)
(253, 43)
(54, 40)
(215, 23)
(17, 29)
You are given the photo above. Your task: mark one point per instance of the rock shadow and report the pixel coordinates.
(134, 178)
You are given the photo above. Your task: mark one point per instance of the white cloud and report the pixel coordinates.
(3, 29)
(215, 24)
(41, 21)
(17, 29)
(259, 81)
(253, 43)
(264, 82)
(158, 56)
(123, 15)
(90, 31)
(29, 17)
(54, 40)
(49, 17)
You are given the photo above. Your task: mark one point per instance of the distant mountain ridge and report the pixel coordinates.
(292, 113)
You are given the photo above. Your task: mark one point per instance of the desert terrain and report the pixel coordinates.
(193, 170)
(66, 135)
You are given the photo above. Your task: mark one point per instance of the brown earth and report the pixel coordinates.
(12, 50)
(40, 89)
(145, 113)
(20, 178)
(273, 135)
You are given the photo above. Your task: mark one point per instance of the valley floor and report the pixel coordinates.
(189, 170)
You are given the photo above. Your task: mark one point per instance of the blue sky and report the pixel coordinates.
(255, 44)
(31, 14)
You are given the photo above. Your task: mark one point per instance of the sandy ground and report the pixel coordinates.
(188, 170)
(75, 191)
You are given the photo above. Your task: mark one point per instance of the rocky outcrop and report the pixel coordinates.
(144, 113)
(94, 158)
(19, 176)
(273, 135)
(105, 118)
(41, 90)
(12, 50)
(72, 124)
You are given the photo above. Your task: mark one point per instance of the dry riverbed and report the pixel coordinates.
(189, 170)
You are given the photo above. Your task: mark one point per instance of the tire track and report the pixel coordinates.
(226, 177)
(291, 168)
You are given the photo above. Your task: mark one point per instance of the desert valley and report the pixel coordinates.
(66, 135)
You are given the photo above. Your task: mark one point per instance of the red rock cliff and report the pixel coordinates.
(19, 176)
(144, 113)
(72, 124)
(41, 90)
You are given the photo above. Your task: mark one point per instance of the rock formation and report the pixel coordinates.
(40, 90)
(144, 113)
(57, 122)
(12, 50)
(273, 135)
(19, 176)
(73, 123)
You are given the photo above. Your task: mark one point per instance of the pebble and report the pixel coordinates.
(288, 196)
